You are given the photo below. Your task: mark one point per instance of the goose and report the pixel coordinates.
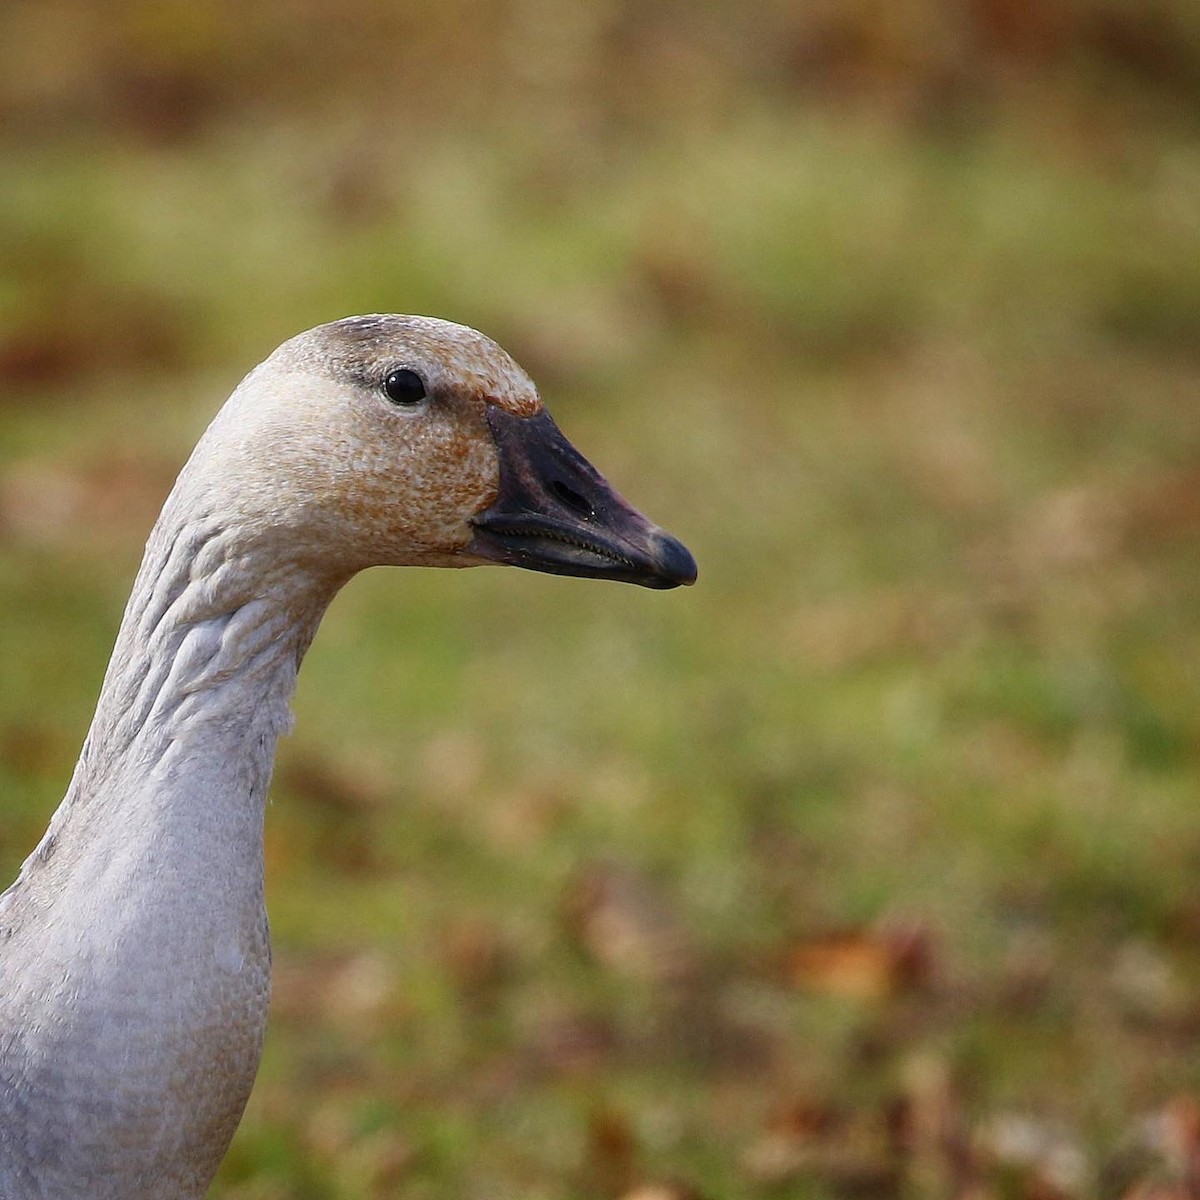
(134, 951)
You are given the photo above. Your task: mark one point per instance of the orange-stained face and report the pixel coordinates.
(410, 440)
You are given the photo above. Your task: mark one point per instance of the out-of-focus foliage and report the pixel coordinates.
(867, 867)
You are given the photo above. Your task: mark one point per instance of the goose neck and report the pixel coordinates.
(208, 651)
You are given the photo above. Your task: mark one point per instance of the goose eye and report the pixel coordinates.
(404, 386)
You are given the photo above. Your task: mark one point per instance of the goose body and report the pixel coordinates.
(134, 954)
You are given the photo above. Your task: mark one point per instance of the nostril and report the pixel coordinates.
(571, 498)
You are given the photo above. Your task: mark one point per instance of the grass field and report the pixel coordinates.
(867, 867)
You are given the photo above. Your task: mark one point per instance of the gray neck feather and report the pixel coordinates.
(134, 959)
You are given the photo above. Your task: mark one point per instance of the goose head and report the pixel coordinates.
(400, 440)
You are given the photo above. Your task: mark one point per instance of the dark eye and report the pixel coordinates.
(403, 386)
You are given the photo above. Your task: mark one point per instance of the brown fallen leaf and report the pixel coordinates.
(356, 992)
(928, 1128)
(477, 959)
(1160, 1190)
(1148, 987)
(33, 749)
(335, 787)
(47, 502)
(571, 1043)
(612, 1152)
(794, 1132)
(90, 329)
(452, 765)
(863, 964)
(665, 1190)
(627, 923)
(851, 1153)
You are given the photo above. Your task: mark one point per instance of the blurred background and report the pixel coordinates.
(867, 867)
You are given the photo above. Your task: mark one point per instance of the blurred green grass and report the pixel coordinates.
(808, 880)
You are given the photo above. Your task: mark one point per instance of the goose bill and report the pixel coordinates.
(555, 512)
